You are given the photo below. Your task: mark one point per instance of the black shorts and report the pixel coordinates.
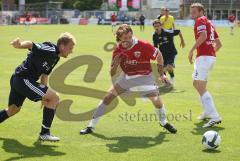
(22, 88)
(169, 59)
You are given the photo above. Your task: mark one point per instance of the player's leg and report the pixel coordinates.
(171, 66)
(202, 67)
(114, 91)
(160, 110)
(50, 100)
(15, 102)
(170, 69)
(232, 28)
(9, 112)
(38, 92)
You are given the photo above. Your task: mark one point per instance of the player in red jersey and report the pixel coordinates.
(113, 20)
(133, 56)
(27, 21)
(231, 20)
(207, 44)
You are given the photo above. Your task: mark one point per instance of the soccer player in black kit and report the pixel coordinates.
(40, 61)
(163, 39)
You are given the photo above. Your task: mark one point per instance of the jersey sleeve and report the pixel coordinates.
(172, 33)
(151, 51)
(154, 39)
(43, 49)
(201, 26)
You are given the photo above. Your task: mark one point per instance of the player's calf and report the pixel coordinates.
(10, 111)
(50, 101)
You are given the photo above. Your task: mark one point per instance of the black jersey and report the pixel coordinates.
(164, 41)
(40, 60)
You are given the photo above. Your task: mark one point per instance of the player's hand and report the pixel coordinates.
(190, 57)
(182, 44)
(163, 79)
(116, 60)
(16, 43)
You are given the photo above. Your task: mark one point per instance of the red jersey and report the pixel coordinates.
(206, 48)
(136, 60)
(28, 18)
(231, 18)
(113, 18)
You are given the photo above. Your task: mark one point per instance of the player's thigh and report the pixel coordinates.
(113, 92)
(29, 88)
(15, 98)
(202, 66)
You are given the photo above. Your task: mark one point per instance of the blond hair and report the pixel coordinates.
(199, 6)
(123, 29)
(66, 38)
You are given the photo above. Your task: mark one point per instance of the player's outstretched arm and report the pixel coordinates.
(200, 40)
(115, 63)
(16, 43)
(182, 43)
(160, 65)
(218, 45)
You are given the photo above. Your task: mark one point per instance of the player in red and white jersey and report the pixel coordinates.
(207, 44)
(231, 20)
(133, 56)
(113, 21)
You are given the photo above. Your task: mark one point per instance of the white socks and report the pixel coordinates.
(161, 113)
(97, 114)
(208, 105)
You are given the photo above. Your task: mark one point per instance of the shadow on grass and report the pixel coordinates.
(211, 151)
(24, 152)
(124, 143)
(199, 130)
(164, 90)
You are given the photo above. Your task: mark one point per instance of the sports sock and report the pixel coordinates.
(48, 115)
(3, 115)
(209, 105)
(97, 114)
(171, 74)
(161, 113)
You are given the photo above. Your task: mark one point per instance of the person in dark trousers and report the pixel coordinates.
(142, 22)
(40, 61)
(163, 39)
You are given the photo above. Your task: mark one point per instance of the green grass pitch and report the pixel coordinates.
(116, 137)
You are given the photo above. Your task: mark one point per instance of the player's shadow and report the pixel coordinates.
(199, 130)
(124, 143)
(164, 90)
(25, 152)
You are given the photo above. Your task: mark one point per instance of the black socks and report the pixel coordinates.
(48, 115)
(3, 115)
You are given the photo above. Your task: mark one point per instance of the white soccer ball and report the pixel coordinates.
(211, 139)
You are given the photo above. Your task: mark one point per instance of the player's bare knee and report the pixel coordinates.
(195, 84)
(108, 98)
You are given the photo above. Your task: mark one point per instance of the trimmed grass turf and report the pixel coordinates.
(117, 138)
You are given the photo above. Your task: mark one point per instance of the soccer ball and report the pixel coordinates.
(211, 140)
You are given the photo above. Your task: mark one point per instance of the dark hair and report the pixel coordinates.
(156, 21)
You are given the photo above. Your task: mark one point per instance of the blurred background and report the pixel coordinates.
(99, 11)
